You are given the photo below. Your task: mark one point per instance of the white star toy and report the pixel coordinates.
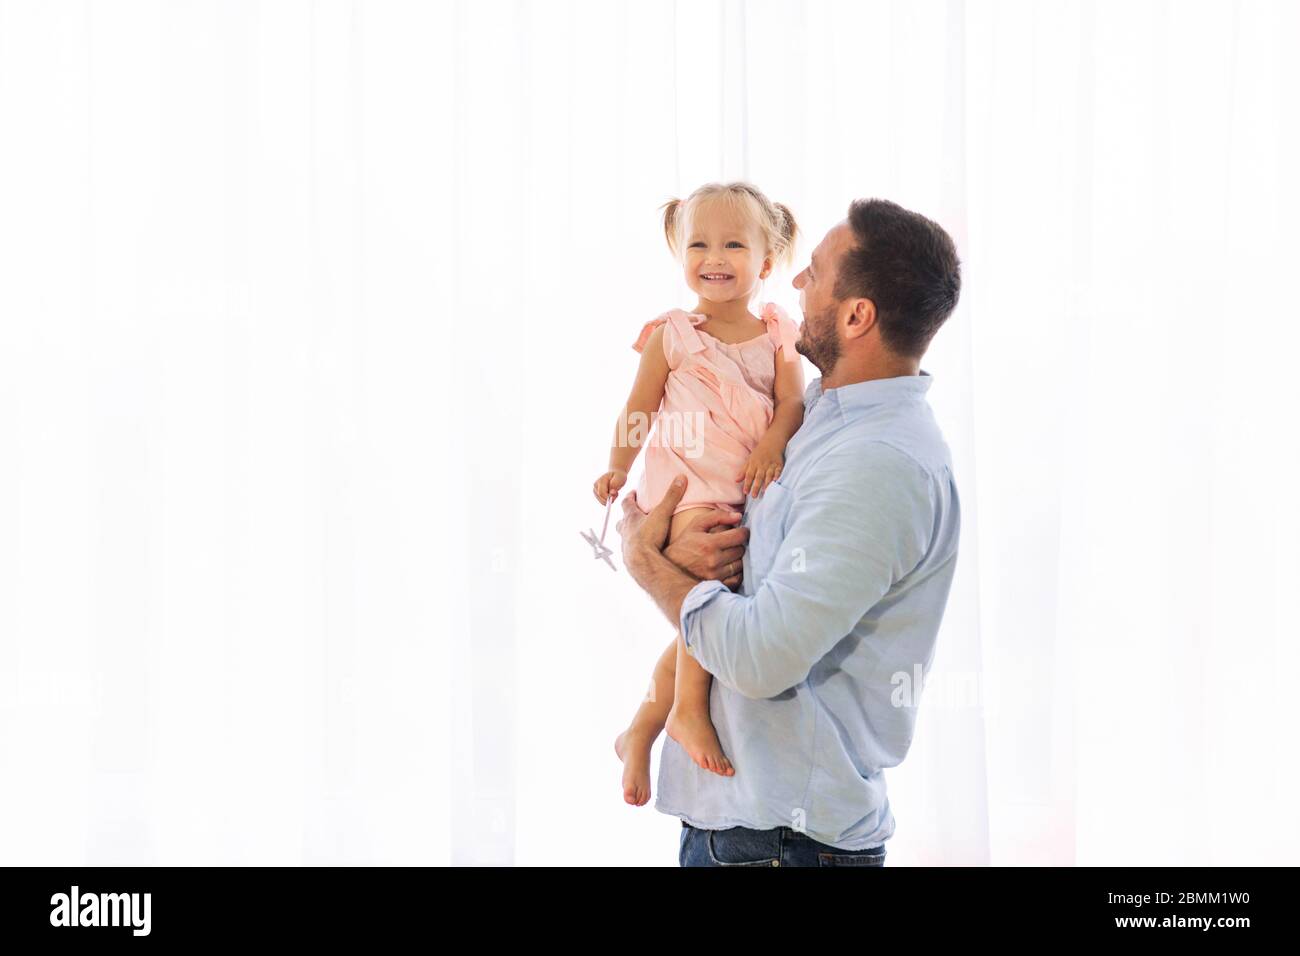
(598, 545)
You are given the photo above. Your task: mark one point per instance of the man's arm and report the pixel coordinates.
(862, 520)
(702, 547)
(662, 580)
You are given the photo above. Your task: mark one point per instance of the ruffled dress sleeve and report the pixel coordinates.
(782, 330)
(680, 337)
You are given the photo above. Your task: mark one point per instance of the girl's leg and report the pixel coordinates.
(688, 718)
(698, 737)
(633, 745)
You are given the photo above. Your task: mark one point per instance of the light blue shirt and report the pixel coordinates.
(847, 570)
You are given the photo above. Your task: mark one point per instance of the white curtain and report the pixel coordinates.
(315, 318)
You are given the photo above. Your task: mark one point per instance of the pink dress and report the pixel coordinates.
(718, 402)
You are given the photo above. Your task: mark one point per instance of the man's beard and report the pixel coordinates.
(819, 343)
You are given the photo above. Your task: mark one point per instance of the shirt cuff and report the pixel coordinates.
(695, 599)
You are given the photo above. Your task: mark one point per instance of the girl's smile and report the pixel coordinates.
(723, 259)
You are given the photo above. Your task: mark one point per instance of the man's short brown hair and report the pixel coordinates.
(907, 265)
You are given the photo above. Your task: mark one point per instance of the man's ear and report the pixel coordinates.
(861, 320)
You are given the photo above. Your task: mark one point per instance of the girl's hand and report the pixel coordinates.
(608, 484)
(763, 468)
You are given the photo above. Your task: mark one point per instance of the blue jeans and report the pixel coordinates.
(740, 846)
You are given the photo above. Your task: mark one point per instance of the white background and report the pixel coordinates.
(315, 319)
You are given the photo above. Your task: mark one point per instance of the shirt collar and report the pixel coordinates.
(876, 391)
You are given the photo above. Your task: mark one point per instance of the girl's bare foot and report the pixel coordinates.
(694, 731)
(634, 750)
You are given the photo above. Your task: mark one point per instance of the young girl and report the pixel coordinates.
(727, 387)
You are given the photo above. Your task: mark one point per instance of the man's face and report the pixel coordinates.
(819, 340)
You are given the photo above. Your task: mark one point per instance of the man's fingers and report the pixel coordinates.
(628, 504)
(673, 494)
(731, 538)
(714, 519)
(730, 555)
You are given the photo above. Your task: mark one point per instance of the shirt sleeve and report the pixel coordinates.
(863, 519)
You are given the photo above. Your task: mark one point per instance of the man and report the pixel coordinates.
(845, 576)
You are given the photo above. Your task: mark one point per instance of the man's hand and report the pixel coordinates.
(642, 533)
(711, 548)
(644, 537)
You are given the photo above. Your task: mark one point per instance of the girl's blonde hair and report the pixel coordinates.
(775, 222)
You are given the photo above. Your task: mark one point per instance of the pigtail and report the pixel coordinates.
(672, 209)
(789, 231)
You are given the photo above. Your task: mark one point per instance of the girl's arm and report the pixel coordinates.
(768, 457)
(633, 426)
